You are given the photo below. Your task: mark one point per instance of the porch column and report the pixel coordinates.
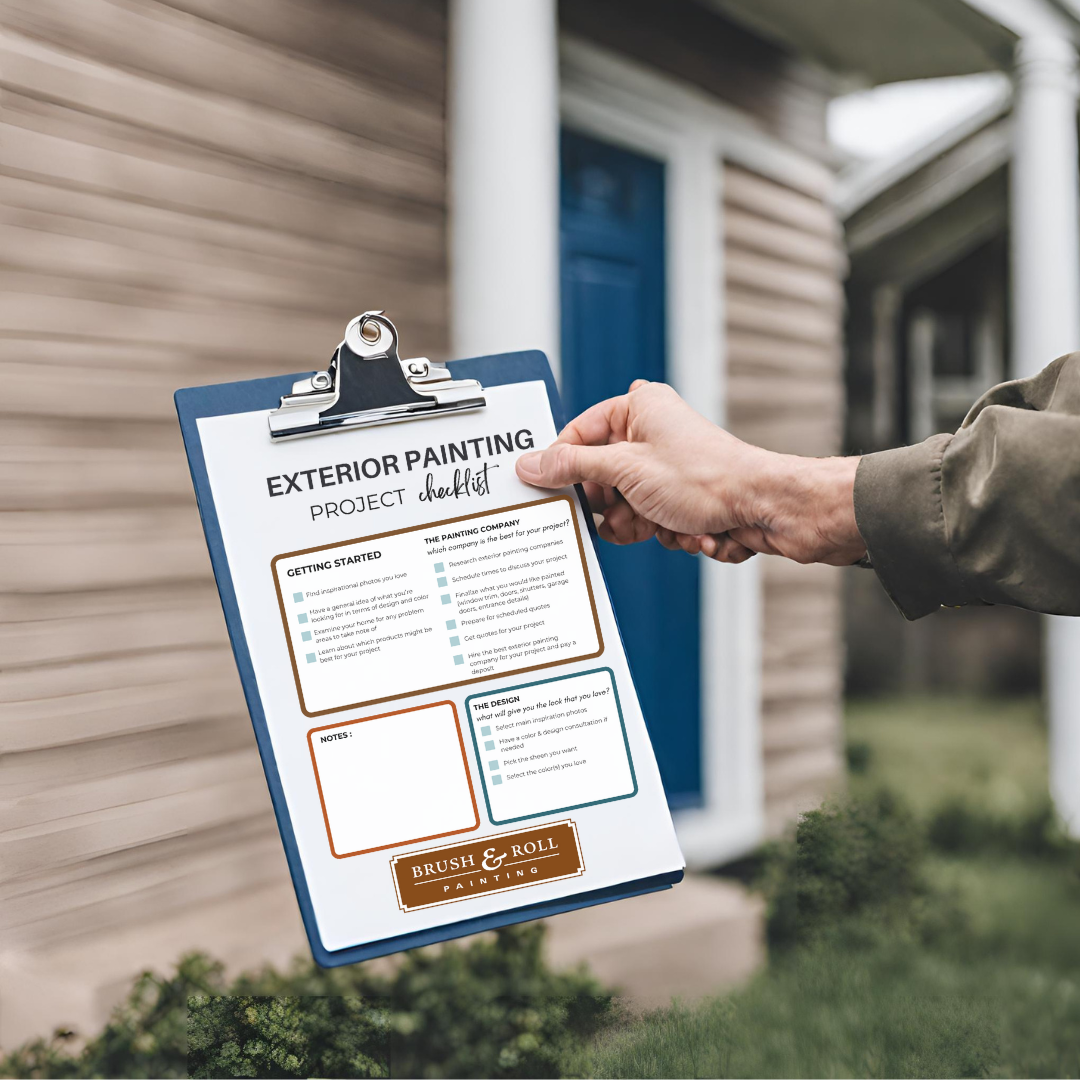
(1045, 225)
(504, 176)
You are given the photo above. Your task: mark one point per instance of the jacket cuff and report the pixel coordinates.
(899, 513)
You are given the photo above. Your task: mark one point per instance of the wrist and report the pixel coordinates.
(809, 509)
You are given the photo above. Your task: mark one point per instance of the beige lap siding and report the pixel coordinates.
(190, 192)
(784, 303)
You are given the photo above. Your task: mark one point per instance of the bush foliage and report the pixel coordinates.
(959, 828)
(287, 1036)
(847, 860)
(492, 1009)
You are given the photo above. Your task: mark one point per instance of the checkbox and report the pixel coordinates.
(459, 660)
(489, 745)
(306, 635)
(496, 779)
(311, 658)
(441, 583)
(302, 617)
(297, 597)
(439, 568)
(493, 766)
(451, 624)
(446, 598)
(486, 729)
(455, 642)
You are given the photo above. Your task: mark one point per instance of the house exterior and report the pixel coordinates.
(196, 192)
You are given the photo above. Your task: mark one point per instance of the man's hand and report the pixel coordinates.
(654, 467)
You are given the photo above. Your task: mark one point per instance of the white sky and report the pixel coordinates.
(877, 122)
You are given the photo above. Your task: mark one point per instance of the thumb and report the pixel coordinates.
(563, 463)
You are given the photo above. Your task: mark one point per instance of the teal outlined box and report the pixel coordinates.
(497, 779)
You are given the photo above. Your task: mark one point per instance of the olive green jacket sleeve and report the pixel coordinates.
(988, 515)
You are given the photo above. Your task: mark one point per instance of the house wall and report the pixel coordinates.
(784, 263)
(191, 192)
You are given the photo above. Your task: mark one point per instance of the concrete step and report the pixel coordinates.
(701, 937)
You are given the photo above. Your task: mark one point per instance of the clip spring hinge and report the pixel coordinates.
(366, 383)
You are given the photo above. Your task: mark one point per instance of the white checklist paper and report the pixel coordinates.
(427, 579)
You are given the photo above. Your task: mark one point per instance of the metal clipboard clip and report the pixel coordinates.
(367, 384)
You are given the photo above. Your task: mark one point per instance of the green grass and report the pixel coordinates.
(989, 988)
(990, 753)
(892, 1010)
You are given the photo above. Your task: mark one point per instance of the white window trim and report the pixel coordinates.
(622, 102)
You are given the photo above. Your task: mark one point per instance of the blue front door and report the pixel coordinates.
(612, 266)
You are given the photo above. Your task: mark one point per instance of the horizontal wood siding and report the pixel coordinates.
(190, 191)
(784, 265)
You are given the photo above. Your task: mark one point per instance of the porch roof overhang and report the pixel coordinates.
(881, 41)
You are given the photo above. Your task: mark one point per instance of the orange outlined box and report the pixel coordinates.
(393, 779)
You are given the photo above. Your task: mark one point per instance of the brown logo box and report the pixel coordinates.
(500, 863)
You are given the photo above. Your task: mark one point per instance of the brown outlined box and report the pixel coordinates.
(415, 839)
(461, 682)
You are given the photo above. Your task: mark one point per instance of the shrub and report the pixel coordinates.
(492, 1008)
(958, 827)
(859, 755)
(287, 1037)
(846, 859)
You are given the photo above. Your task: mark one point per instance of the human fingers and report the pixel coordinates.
(625, 526)
(729, 550)
(600, 424)
(720, 547)
(635, 532)
(690, 544)
(668, 539)
(598, 497)
(564, 463)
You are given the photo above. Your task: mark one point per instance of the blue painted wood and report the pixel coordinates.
(613, 331)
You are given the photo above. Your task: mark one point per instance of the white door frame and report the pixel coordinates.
(618, 101)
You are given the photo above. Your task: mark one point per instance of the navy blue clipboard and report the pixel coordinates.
(249, 396)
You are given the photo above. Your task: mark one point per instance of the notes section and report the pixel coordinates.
(436, 606)
(393, 779)
(551, 746)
